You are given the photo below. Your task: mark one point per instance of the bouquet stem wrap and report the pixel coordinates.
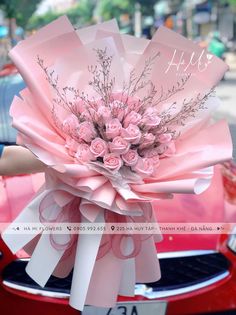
(119, 121)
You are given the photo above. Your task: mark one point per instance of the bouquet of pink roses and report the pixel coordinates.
(120, 121)
(117, 130)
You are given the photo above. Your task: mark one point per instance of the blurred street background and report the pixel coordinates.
(211, 23)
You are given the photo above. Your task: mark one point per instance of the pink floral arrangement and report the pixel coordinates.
(119, 121)
(120, 130)
(117, 130)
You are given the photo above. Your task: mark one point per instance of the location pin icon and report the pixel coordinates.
(112, 227)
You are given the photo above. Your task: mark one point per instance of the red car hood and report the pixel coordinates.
(208, 207)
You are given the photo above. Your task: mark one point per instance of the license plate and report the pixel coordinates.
(129, 308)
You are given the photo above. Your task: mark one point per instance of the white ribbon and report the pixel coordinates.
(86, 253)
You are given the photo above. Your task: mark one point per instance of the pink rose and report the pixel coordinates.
(164, 138)
(81, 109)
(143, 167)
(130, 158)
(155, 161)
(117, 109)
(113, 128)
(169, 149)
(119, 145)
(147, 140)
(84, 154)
(161, 149)
(153, 155)
(132, 134)
(104, 113)
(70, 124)
(149, 153)
(112, 161)
(86, 116)
(86, 131)
(71, 145)
(150, 119)
(98, 147)
(132, 118)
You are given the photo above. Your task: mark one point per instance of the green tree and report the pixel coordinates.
(9, 12)
(79, 15)
(109, 9)
(37, 21)
(21, 11)
(232, 3)
(82, 14)
(115, 8)
(147, 6)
